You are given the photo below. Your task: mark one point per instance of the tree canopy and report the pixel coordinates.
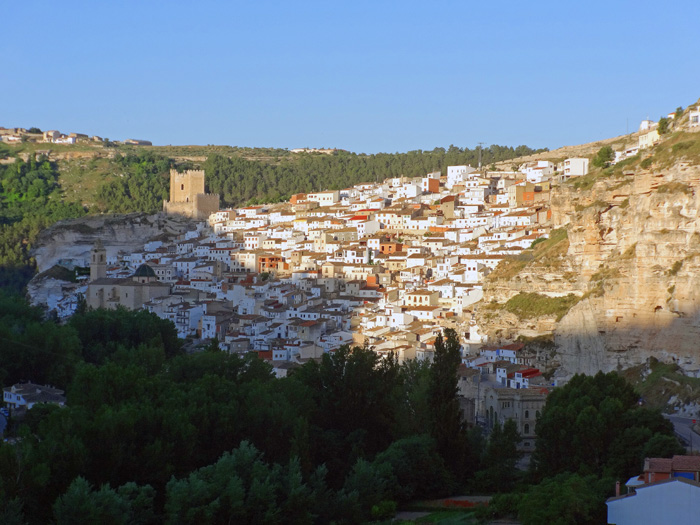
(604, 157)
(150, 433)
(594, 425)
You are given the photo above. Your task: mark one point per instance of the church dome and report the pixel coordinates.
(144, 271)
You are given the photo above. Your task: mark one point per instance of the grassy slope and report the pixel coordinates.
(660, 383)
(544, 254)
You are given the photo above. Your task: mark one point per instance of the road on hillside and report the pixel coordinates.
(682, 427)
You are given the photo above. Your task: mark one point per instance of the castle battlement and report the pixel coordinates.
(188, 196)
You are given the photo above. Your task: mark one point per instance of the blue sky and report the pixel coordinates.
(364, 76)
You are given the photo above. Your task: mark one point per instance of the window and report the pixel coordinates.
(527, 414)
(526, 428)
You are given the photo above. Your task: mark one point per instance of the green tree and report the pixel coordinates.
(500, 459)
(128, 505)
(604, 157)
(593, 425)
(241, 488)
(567, 499)
(663, 126)
(355, 396)
(417, 469)
(103, 331)
(446, 424)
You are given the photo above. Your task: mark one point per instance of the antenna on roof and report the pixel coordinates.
(480, 144)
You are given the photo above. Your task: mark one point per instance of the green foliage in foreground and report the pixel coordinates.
(591, 433)
(607, 432)
(561, 500)
(151, 435)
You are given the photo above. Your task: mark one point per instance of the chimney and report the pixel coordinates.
(617, 489)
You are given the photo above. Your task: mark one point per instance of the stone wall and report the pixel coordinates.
(184, 187)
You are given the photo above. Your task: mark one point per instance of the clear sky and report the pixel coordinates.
(366, 76)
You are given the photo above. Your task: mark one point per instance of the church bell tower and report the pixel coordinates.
(98, 261)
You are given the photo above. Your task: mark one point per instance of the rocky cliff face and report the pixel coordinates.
(73, 239)
(634, 258)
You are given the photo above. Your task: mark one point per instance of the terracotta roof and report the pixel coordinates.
(677, 463)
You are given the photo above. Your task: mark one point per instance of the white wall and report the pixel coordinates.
(671, 502)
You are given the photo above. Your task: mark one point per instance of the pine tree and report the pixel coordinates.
(447, 426)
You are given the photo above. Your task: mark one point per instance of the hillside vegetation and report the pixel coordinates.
(30, 200)
(543, 253)
(74, 180)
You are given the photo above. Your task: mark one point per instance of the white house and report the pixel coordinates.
(457, 175)
(694, 118)
(26, 395)
(324, 198)
(574, 167)
(675, 500)
(537, 171)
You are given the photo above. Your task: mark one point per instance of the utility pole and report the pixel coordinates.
(480, 144)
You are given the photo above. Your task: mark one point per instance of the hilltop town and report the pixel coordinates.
(21, 135)
(387, 265)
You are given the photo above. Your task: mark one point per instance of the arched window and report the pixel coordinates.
(527, 414)
(182, 187)
(527, 429)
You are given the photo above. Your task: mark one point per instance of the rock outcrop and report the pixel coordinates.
(71, 240)
(634, 258)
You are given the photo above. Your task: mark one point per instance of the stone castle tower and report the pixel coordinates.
(98, 261)
(187, 195)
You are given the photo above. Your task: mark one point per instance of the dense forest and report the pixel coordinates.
(30, 200)
(150, 434)
(143, 185)
(240, 181)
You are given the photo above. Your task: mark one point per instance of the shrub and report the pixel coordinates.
(384, 510)
(675, 187)
(675, 268)
(681, 146)
(604, 156)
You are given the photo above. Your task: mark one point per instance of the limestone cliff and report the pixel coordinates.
(71, 240)
(633, 256)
